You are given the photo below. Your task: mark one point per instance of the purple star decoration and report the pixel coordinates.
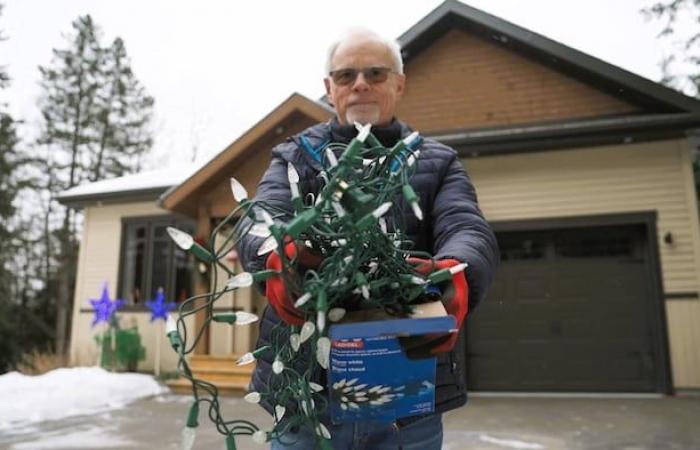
(104, 307)
(159, 307)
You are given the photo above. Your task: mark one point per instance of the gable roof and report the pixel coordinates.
(614, 80)
(176, 197)
(142, 186)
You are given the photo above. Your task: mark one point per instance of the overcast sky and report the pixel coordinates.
(216, 67)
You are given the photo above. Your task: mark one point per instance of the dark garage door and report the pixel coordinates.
(570, 310)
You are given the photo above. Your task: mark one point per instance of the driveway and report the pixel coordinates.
(487, 422)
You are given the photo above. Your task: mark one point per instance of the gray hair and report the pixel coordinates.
(393, 46)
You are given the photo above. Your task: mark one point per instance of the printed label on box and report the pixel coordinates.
(370, 377)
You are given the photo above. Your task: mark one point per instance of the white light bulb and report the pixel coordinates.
(241, 280)
(339, 210)
(260, 437)
(295, 341)
(182, 239)
(259, 230)
(381, 210)
(417, 211)
(332, 160)
(417, 280)
(279, 412)
(277, 366)
(365, 291)
(315, 386)
(321, 321)
(292, 173)
(323, 351)
(307, 330)
(245, 318)
(245, 359)
(170, 325)
(267, 218)
(302, 300)
(239, 192)
(252, 397)
(321, 430)
(267, 246)
(408, 140)
(458, 268)
(188, 436)
(336, 314)
(363, 132)
(382, 225)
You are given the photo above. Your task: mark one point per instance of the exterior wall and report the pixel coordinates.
(98, 261)
(464, 81)
(611, 180)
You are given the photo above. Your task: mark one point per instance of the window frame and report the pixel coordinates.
(150, 221)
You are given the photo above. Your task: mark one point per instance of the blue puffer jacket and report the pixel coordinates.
(453, 227)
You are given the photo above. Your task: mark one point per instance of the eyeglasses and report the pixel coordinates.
(373, 75)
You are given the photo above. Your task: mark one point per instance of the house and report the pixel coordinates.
(584, 170)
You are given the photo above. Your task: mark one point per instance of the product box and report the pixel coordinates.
(370, 376)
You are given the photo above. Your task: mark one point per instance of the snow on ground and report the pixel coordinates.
(64, 393)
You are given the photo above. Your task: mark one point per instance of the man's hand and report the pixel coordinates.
(275, 289)
(456, 300)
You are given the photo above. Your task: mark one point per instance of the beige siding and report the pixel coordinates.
(98, 261)
(653, 176)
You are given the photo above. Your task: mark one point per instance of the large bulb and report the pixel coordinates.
(243, 279)
(245, 318)
(188, 436)
(170, 325)
(239, 192)
(307, 330)
(182, 239)
(267, 246)
(292, 173)
(381, 210)
(252, 397)
(323, 351)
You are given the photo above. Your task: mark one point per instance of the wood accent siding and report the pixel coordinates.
(652, 176)
(467, 82)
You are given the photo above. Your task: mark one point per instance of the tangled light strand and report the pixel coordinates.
(355, 222)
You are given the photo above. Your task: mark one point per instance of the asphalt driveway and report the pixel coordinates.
(486, 423)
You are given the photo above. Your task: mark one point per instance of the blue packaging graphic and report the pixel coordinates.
(370, 377)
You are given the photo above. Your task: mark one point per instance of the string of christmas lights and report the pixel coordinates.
(355, 224)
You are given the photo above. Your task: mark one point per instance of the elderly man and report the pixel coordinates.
(365, 83)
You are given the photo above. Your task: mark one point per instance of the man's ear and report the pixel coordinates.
(400, 84)
(327, 83)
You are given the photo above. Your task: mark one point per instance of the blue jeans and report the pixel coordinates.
(423, 434)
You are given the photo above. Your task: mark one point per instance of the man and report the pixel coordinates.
(365, 83)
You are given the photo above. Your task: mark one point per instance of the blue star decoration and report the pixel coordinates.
(159, 307)
(104, 307)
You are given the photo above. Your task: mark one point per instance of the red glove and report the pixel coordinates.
(275, 289)
(456, 300)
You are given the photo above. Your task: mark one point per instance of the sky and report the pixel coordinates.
(216, 67)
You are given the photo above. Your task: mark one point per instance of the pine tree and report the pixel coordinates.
(96, 124)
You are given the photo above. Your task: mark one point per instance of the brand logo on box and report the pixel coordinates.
(345, 343)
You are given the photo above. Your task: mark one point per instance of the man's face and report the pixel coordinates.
(362, 100)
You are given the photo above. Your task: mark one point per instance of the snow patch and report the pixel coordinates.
(70, 392)
(510, 443)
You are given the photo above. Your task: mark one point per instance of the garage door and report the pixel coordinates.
(570, 310)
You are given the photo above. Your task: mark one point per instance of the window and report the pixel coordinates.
(150, 260)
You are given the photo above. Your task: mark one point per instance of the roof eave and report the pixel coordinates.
(571, 134)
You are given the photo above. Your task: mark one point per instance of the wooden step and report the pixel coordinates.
(199, 362)
(220, 370)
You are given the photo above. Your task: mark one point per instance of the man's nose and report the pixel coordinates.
(360, 83)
